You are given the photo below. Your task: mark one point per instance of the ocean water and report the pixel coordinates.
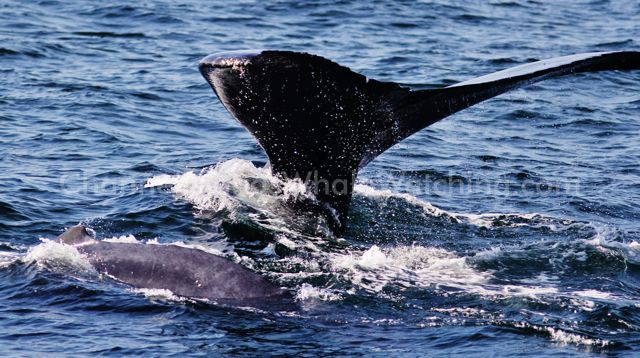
(510, 228)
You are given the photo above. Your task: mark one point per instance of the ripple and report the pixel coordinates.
(7, 211)
(6, 51)
(488, 158)
(110, 34)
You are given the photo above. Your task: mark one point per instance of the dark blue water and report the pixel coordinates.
(509, 228)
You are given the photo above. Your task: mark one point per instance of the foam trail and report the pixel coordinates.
(237, 186)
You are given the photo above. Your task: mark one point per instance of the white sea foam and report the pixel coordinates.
(531, 291)
(155, 293)
(13, 254)
(585, 299)
(604, 240)
(462, 311)
(563, 337)
(129, 239)
(308, 292)
(408, 266)
(242, 191)
(55, 255)
(7, 258)
(229, 183)
(283, 240)
(437, 268)
(216, 248)
(593, 294)
(236, 182)
(372, 258)
(487, 255)
(572, 338)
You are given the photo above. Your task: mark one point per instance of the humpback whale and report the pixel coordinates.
(184, 271)
(321, 122)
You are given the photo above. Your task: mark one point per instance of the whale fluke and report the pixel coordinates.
(322, 122)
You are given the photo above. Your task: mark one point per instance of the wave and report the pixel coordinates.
(562, 336)
(484, 220)
(249, 195)
(495, 260)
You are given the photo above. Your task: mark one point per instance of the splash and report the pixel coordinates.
(309, 292)
(229, 184)
(409, 266)
(248, 195)
(59, 257)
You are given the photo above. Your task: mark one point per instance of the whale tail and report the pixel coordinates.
(321, 122)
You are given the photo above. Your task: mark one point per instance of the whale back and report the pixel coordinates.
(186, 272)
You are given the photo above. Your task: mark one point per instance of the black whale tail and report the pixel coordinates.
(322, 122)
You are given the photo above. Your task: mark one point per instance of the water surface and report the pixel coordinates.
(510, 227)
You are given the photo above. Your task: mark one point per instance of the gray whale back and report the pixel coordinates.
(187, 272)
(184, 271)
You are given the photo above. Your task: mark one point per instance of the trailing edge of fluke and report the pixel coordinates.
(322, 122)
